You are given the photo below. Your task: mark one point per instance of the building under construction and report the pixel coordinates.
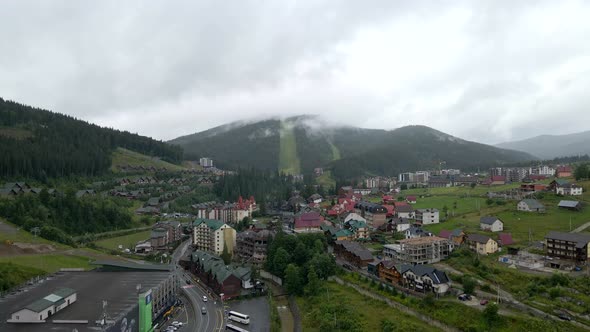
(420, 250)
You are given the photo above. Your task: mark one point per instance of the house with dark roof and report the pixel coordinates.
(353, 252)
(404, 211)
(570, 205)
(411, 199)
(530, 205)
(568, 246)
(358, 228)
(492, 224)
(375, 214)
(214, 273)
(482, 244)
(401, 224)
(424, 278)
(85, 193)
(42, 309)
(457, 236)
(416, 231)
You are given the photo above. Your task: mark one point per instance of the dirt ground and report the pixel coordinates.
(18, 248)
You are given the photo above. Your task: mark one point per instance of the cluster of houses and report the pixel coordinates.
(226, 212)
(162, 236)
(140, 168)
(12, 189)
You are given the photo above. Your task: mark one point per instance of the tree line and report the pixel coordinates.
(63, 216)
(301, 261)
(38, 144)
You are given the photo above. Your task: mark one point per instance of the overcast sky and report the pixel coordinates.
(487, 71)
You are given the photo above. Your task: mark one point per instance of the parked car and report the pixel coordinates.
(483, 302)
(564, 316)
(464, 297)
(204, 298)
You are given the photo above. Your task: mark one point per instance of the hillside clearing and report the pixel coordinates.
(288, 160)
(124, 157)
(50, 263)
(127, 241)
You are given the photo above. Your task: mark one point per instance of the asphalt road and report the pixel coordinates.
(259, 311)
(213, 319)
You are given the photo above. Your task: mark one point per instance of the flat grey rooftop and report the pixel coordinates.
(117, 288)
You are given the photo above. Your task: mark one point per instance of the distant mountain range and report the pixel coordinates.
(299, 144)
(552, 146)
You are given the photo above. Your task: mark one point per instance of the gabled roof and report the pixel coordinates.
(532, 203)
(569, 204)
(488, 220)
(437, 276)
(404, 209)
(411, 198)
(483, 239)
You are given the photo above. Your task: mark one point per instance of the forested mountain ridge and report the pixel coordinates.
(552, 146)
(350, 152)
(39, 143)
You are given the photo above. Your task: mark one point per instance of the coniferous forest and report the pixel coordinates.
(39, 144)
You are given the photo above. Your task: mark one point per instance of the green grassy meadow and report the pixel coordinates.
(369, 312)
(50, 262)
(123, 156)
(126, 241)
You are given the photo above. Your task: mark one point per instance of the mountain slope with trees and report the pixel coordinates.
(350, 152)
(37, 143)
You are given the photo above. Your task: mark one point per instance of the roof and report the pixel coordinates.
(309, 219)
(49, 300)
(92, 287)
(356, 249)
(505, 239)
(411, 198)
(404, 208)
(564, 169)
(356, 224)
(211, 223)
(488, 220)
(580, 238)
(371, 207)
(483, 239)
(445, 234)
(569, 204)
(437, 276)
(426, 210)
(498, 178)
(532, 203)
(132, 266)
(421, 240)
(342, 233)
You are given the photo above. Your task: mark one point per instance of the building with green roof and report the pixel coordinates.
(213, 236)
(41, 309)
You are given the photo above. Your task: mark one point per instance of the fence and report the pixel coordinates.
(269, 276)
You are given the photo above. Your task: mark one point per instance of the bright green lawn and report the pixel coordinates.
(127, 241)
(50, 262)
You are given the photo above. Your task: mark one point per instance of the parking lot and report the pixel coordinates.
(258, 310)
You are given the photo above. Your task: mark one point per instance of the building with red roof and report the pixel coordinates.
(563, 172)
(505, 239)
(411, 199)
(309, 222)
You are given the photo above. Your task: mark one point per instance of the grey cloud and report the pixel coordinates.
(173, 68)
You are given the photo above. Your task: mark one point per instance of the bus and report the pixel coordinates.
(234, 328)
(238, 317)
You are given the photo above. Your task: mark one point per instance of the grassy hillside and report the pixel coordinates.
(127, 241)
(288, 160)
(469, 209)
(123, 157)
(41, 144)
